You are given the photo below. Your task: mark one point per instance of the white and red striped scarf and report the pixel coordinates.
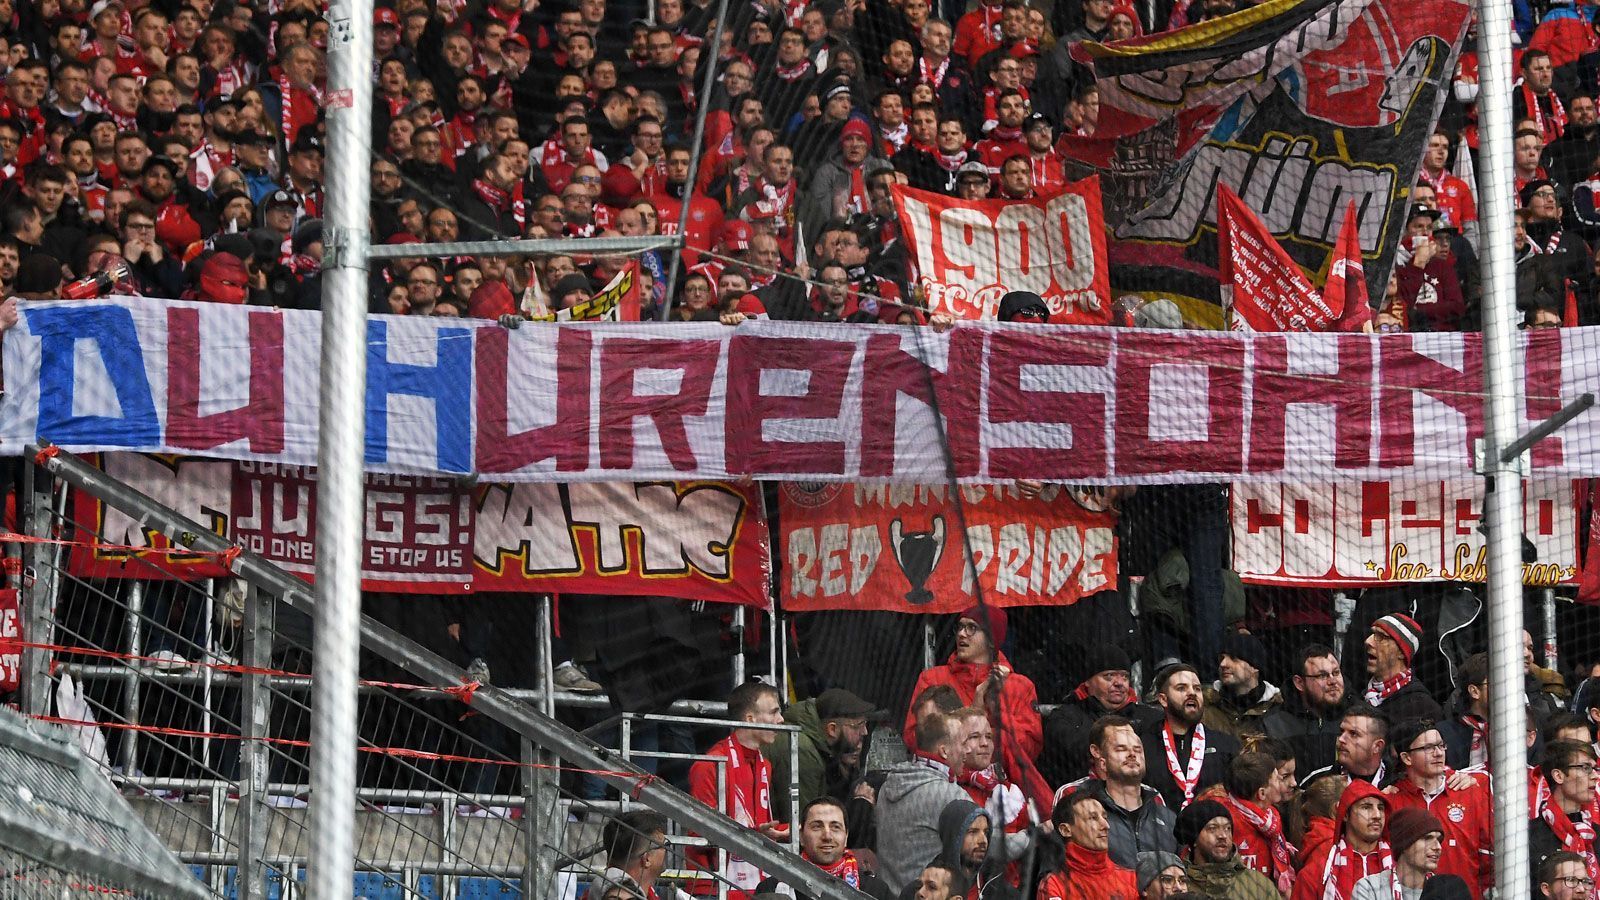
(1552, 127)
(1379, 691)
(1574, 835)
(1340, 875)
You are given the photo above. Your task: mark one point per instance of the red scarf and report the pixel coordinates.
(985, 780)
(1551, 127)
(230, 78)
(1186, 774)
(1270, 827)
(286, 93)
(1340, 875)
(496, 199)
(1480, 738)
(123, 123)
(858, 201)
(1576, 836)
(933, 76)
(847, 869)
(1379, 691)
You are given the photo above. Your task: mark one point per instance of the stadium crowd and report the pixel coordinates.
(174, 149)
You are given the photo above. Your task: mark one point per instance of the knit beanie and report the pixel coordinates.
(1409, 825)
(992, 619)
(1194, 819)
(1151, 864)
(1403, 630)
(1102, 657)
(1246, 648)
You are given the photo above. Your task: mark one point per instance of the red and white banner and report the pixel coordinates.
(10, 641)
(788, 401)
(970, 253)
(1365, 534)
(900, 548)
(705, 540)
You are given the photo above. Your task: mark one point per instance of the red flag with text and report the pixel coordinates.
(970, 253)
(1261, 284)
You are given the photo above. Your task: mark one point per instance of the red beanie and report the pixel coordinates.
(991, 619)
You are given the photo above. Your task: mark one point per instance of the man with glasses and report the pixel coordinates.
(983, 677)
(1561, 814)
(1565, 876)
(1464, 805)
(1308, 718)
(424, 287)
(646, 160)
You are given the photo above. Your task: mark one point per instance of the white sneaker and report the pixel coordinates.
(571, 678)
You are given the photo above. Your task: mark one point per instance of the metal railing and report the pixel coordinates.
(212, 748)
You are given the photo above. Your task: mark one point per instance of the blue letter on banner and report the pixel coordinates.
(111, 328)
(448, 383)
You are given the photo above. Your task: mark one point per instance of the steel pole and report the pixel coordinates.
(342, 433)
(1502, 364)
(714, 48)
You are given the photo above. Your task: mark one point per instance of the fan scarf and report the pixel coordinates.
(1339, 876)
(1574, 835)
(1552, 127)
(1187, 776)
(847, 869)
(1379, 691)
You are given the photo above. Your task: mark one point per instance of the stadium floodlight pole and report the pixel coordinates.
(694, 152)
(1502, 371)
(340, 450)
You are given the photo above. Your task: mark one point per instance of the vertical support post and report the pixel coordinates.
(340, 450)
(709, 60)
(38, 597)
(255, 709)
(205, 657)
(547, 663)
(1552, 650)
(133, 690)
(543, 823)
(1502, 381)
(927, 643)
(739, 668)
(1344, 610)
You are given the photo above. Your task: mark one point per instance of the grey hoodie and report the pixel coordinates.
(910, 804)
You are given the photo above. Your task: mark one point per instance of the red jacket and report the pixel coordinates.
(1256, 842)
(1316, 875)
(1018, 731)
(1468, 817)
(1089, 876)
(747, 797)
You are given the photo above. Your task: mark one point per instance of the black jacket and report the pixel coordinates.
(1065, 756)
(1220, 751)
(1541, 843)
(1411, 702)
(1312, 736)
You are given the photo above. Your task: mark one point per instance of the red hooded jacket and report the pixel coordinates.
(1019, 732)
(1089, 875)
(1317, 877)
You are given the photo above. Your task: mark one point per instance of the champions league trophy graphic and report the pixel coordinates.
(918, 553)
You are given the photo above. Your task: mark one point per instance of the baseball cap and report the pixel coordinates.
(520, 39)
(305, 141)
(383, 15)
(101, 6)
(164, 162)
(972, 168)
(278, 198)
